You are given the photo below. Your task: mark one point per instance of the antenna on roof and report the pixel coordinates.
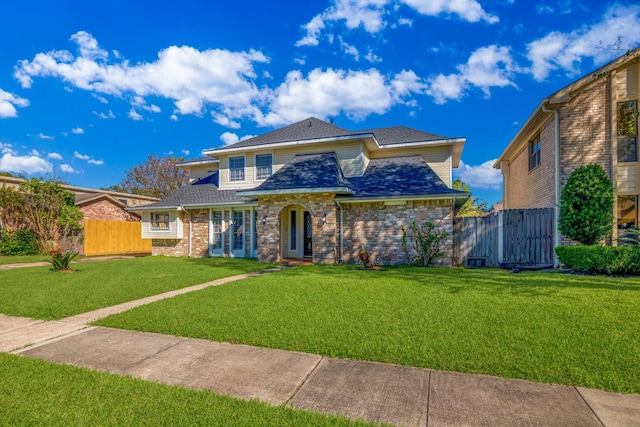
(332, 119)
(309, 123)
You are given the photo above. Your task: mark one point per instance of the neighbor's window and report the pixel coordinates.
(627, 131)
(160, 221)
(263, 166)
(534, 151)
(236, 168)
(627, 211)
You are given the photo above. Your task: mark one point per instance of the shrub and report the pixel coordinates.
(20, 242)
(60, 261)
(601, 259)
(586, 209)
(421, 243)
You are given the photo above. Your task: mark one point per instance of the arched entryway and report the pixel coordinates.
(296, 232)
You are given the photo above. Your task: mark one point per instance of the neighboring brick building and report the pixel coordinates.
(593, 120)
(103, 207)
(311, 190)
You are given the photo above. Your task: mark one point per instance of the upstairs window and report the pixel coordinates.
(264, 164)
(534, 152)
(159, 221)
(236, 168)
(627, 131)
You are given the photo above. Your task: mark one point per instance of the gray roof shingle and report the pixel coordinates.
(306, 171)
(399, 176)
(401, 135)
(201, 192)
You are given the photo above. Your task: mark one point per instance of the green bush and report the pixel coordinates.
(61, 261)
(601, 259)
(586, 209)
(21, 242)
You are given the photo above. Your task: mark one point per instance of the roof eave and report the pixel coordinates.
(338, 190)
(446, 196)
(215, 151)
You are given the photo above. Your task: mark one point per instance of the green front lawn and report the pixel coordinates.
(540, 326)
(21, 259)
(33, 392)
(39, 293)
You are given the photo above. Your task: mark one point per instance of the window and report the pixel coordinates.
(263, 166)
(627, 131)
(216, 235)
(236, 168)
(160, 221)
(627, 212)
(294, 231)
(534, 152)
(238, 229)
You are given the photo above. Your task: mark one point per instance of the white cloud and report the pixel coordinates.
(77, 131)
(483, 176)
(565, 51)
(487, 67)
(133, 115)
(7, 149)
(77, 155)
(100, 98)
(185, 152)
(374, 15)
(64, 167)
(95, 162)
(8, 104)
(29, 164)
(107, 116)
(35, 152)
(174, 118)
(330, 92)
(54, 156)
(191, 78)
(43, 136)
(229, 138)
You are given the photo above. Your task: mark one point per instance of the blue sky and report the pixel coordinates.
(89, 89)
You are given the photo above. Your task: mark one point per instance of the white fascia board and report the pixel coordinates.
(216, 151)
(198, 162)
(217, 205)
(144, 208)
(346, 200)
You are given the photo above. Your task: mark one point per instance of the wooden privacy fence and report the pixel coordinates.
(508, 238)
(114, 238)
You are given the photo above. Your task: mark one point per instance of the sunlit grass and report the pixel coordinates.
(33, 392)
(39, 293)
(540, 326)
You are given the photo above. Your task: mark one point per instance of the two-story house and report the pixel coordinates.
(310, 190)
(592, 120)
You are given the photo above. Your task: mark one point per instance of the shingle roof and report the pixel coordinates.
(401, 135)
(310, 128)
(201, 192)
(399, 176)
(307, 171)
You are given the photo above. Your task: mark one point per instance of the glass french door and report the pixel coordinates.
(237, 234)
(216, 234)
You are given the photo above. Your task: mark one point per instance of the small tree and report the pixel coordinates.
(586, 210)
(473, 206)
(12, 216)
(421, 243)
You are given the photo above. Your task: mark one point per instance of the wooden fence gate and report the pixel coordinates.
(114, 238)
(508, 238)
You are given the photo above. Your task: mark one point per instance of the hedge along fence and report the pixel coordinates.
(601, 259)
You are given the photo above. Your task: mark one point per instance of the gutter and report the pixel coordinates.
(556, 232)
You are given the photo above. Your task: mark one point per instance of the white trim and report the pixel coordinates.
(247, 193)
(160, 230)
(244, 169)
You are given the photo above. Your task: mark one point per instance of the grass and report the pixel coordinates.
(540, 326)
(37, 292)
(21, 259)
(34, 392)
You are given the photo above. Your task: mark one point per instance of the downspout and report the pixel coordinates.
(556, 232)
(341, 230)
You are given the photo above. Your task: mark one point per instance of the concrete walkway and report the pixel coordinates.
(371, 391)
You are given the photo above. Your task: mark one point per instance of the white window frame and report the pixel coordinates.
(156, 229)
(257, 168)
(243, 169)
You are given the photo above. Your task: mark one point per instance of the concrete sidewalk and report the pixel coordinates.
(371, 391)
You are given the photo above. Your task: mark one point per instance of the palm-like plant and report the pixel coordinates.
(60, 261)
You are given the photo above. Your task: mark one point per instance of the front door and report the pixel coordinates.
(308, 235)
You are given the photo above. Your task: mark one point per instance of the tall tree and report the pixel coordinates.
(12, 216)
(473, 206)
(157, 177)
(586, 205)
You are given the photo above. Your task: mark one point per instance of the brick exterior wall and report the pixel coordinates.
(325, 236)
(535, 188)
(379, 229)
(104, 209)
